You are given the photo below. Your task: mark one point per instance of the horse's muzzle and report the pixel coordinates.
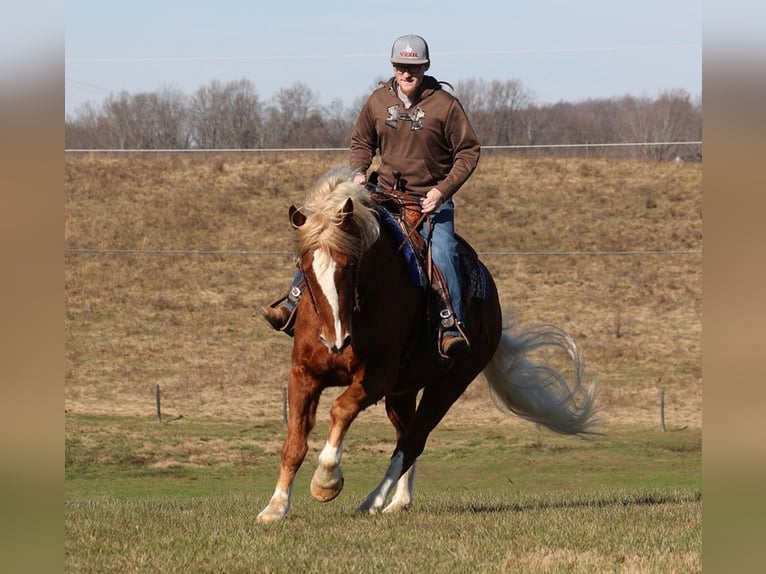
(334, 348)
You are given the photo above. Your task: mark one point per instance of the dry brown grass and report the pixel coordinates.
(189, 322)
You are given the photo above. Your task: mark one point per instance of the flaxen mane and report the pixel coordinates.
(323, 209)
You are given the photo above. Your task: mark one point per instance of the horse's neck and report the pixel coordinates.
(390, 310)
(384, 272)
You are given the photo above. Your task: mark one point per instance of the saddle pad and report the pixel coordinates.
(474, 274)
(415, 270)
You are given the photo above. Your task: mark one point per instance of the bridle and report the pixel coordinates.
(312, 296)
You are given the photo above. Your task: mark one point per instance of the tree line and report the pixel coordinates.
(231, 115)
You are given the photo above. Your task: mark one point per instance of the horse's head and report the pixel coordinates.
(339, 228)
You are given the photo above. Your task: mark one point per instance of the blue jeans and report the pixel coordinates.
(444, 251)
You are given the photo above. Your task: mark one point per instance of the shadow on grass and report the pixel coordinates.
(613, 500)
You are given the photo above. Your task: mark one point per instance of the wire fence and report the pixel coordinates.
(345, 149)
(246, 253)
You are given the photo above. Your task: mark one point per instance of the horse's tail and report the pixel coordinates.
(537, 391)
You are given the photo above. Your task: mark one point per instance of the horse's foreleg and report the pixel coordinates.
(327, 481)
(302, 415)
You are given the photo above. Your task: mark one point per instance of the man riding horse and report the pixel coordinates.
(424, 137)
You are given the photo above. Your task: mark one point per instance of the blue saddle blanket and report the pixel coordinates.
(475, 276)
(415, 270)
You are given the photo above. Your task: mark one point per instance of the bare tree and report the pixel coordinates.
(494, 108)
(338, 123)
(226, 115)
(168, 110)
(86, 129)
(123, 122)
(668, 118)
(294, 117)
(537, 124)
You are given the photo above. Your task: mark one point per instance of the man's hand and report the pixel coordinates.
(360, 179)
(432, 201)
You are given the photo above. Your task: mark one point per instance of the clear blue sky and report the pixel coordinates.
(566, 50)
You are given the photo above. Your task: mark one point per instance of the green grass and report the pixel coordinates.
(141, 496)
(448, 532)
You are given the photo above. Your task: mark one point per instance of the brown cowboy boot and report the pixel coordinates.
(281, 313)
(454, 344)
(452, 340)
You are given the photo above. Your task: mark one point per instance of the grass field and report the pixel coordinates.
(170, 257)
(183, 496)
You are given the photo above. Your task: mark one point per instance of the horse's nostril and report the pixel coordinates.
(332, 347)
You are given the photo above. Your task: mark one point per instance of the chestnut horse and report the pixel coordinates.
(362, 324)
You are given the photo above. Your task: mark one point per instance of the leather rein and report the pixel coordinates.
(411, 214)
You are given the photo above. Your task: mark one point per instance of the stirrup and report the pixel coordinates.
(452, 341)
(281, 313)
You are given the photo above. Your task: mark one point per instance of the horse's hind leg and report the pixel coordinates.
(405, 487)
(434, 404)
(437, 399)
(401, 410)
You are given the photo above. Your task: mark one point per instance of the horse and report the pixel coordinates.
(362, 324)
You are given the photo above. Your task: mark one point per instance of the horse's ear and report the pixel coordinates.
(346, 214)
(297, 218)
(348, 208)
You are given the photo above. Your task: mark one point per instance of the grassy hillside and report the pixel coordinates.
(188, 320)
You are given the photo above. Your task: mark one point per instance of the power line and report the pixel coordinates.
(87, 85)
(345, 56)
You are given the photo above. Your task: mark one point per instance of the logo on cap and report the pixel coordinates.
(408, 52)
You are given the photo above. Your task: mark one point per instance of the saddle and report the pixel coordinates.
(403, 210)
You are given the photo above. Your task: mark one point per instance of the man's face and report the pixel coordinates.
(409, 77)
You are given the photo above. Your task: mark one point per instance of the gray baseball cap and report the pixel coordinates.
(409, 49)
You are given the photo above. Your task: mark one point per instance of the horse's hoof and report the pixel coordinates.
(396, 507)
(269, 517)
(324, 494)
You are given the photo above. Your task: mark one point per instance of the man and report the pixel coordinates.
(422, 132)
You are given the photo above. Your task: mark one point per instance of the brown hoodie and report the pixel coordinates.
(432, 143)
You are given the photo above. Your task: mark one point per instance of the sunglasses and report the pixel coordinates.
(410, 68)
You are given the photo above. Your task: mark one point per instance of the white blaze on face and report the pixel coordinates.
(324, 270)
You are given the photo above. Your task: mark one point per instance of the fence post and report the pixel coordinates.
(157, 397)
